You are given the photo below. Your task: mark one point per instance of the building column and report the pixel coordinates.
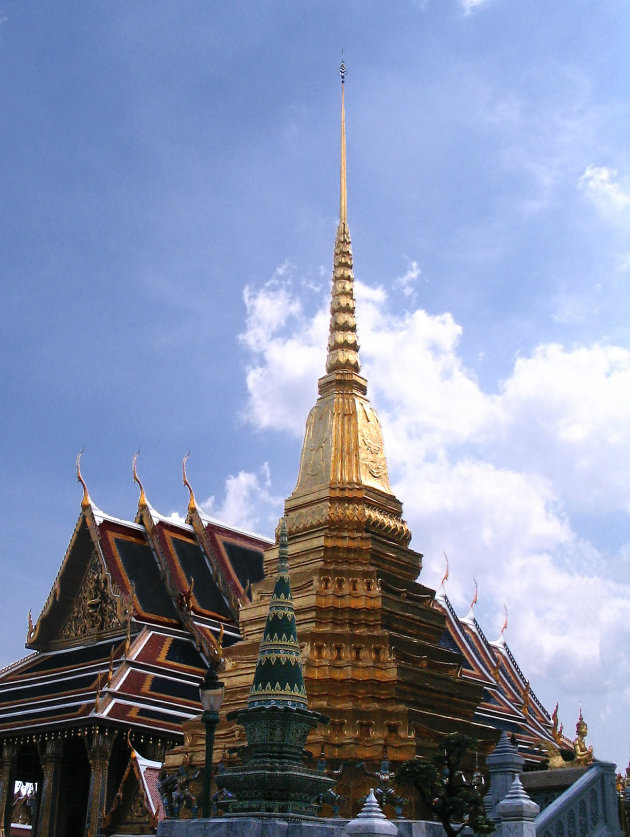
(50, 759)
(8, 765)
(99, 749)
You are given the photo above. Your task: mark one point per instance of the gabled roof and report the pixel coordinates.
(508, 701)
(129, 625)
(137, 797)
(155, 570)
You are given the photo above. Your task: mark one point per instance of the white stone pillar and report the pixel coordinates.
(504, 765)
(517, 812)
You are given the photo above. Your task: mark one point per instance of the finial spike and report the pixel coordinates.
(343, 344)
(505, 624)
(445, 576)
(143, 497)
(476, 596)
(343, 202)
(85, 502)
(192, 505)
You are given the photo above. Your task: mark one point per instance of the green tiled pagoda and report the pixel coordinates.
(278, 680)
(272, 779)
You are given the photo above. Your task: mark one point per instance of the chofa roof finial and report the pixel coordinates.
(192, 505)
(85, 502)
(143, 497)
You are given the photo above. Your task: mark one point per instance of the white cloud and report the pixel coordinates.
(602, 186)
(406, 282)
(470, 6)
(249, 502)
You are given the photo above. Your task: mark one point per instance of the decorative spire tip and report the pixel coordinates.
(143, 497)
(192, 504)
(85, 502)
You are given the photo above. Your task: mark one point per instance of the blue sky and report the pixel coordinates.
(169, 201)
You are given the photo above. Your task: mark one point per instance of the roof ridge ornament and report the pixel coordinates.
(143, 497)
(505, 624)
(476, 596)
(445, 576)
(85, 502)
(192, 503)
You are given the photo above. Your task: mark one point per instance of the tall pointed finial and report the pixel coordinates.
(476, 596)
(85, 502)
(445, 576)
(343, 202)
(192, 505)
(343, 345)
(505, 624)
(143, 497)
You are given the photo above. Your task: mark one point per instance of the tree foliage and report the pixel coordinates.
(444, 788)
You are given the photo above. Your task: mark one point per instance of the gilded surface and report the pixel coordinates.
(317, 449)
(371, 449)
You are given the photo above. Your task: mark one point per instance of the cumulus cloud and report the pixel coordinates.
(470, 6)
(287, 354)
(496, 479)
(249, 502)
(407, 282)
(601, 184)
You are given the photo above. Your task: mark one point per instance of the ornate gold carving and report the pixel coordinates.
(349, 515)
(94, 610)
(371, 449)
(138, 810)
(316, 450)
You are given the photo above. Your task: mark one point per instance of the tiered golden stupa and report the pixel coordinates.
(369, 630)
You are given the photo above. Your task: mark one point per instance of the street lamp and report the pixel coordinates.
(211, 691)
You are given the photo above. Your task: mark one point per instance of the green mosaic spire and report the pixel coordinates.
(279, 680)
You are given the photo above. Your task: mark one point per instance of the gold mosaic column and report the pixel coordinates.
(8, 766)
(99, 748)
(51, 759)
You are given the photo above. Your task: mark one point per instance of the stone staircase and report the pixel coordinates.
(589, 808)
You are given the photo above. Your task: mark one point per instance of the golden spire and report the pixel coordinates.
(143, 497)
(85, 502)
(192, 505)
(343, 200)
(343, 345)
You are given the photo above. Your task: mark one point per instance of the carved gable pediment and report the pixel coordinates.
(94, 611)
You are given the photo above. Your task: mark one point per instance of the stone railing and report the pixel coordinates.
(587, 809)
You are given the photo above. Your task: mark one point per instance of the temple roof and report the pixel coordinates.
(133, 615)
(508, 701)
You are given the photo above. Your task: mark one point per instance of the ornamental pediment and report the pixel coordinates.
(95, 611)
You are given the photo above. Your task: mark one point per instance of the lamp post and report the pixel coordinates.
(211, 691)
